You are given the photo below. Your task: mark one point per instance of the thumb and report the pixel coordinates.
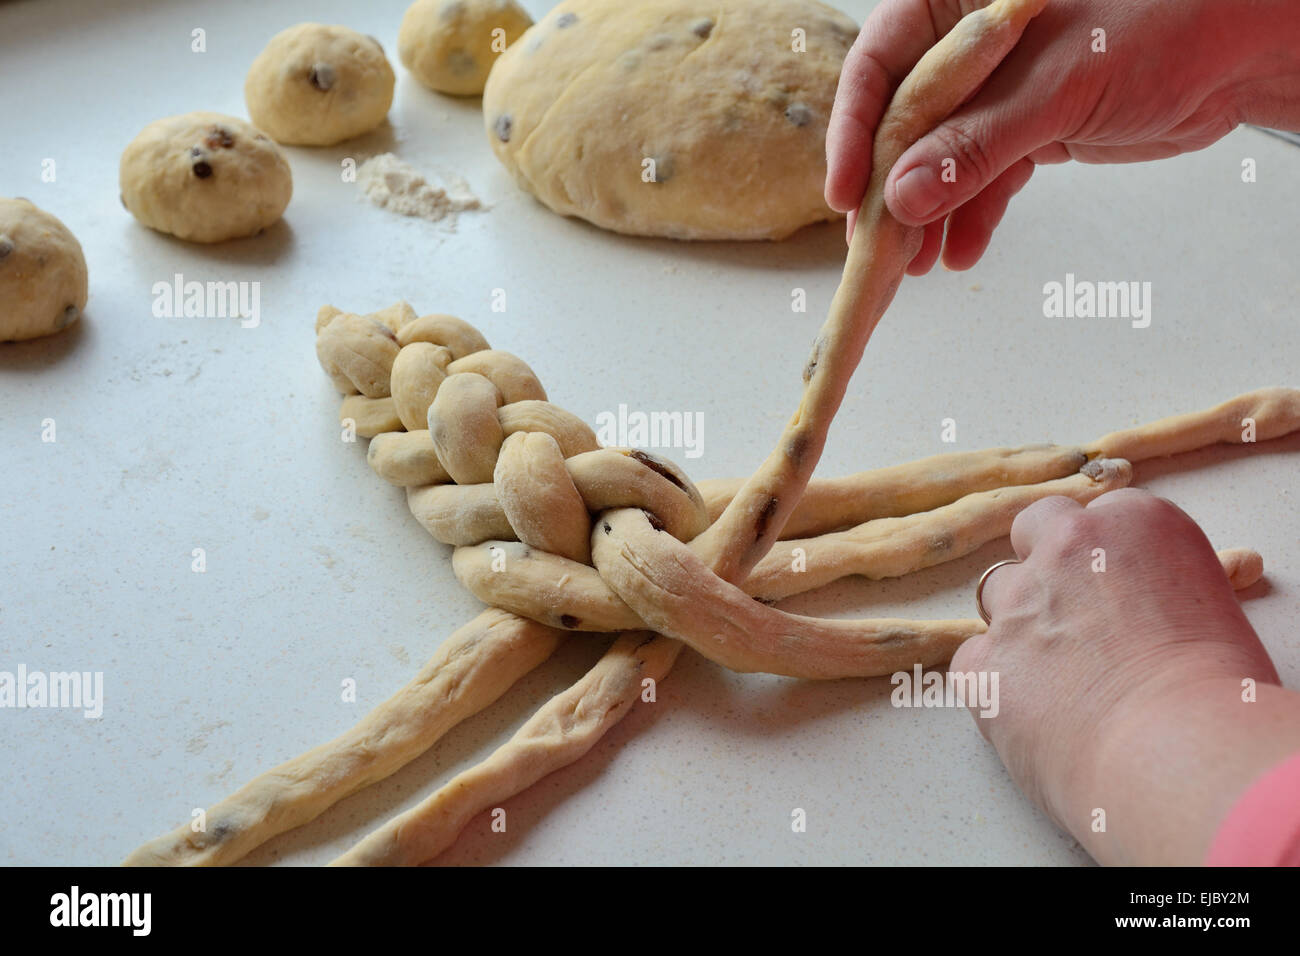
(957, 159)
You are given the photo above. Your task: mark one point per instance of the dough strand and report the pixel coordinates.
(470, 670)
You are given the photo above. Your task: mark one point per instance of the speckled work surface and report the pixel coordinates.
(176, 434)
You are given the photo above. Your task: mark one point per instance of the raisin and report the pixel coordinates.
(202, 169)
(657, 466)
(321, 76)
(798, 447)
(813, 359)
(765, 517)
(461, 61)
(6, 246)
(940, 543)
(384, 329)
(569, 621)
(565, 20)
(219, 137)
(663, 168)
(702, 28)
(502, 127)
(798, 114)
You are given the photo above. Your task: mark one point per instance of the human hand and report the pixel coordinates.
(1172, 78)
(1121, 689)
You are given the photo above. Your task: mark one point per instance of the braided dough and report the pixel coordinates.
(880, 548)
(478, 662)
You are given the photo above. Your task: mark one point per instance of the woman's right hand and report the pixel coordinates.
(1164, 78)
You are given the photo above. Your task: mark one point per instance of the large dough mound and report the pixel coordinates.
(42, 273)
(714, 93)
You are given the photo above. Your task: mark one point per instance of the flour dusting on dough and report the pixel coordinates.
(396, 185)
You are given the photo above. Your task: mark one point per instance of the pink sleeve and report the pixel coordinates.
(1263, 827)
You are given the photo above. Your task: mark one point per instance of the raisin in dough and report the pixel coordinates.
(42, 273)
(316, 85)
(714, 92)
(449, 44)
(205, 177)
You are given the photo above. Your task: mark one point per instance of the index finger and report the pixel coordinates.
(895, 36)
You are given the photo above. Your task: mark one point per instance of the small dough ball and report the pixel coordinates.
(42, 273)
(316, 85)
(205, 177)
(448, 44)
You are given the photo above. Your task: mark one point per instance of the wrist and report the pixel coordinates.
(1171, 764)
(1259, 40)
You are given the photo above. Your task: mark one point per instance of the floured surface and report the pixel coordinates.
(394, 184)
(176, 434)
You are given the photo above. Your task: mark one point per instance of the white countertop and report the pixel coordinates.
(176, 434)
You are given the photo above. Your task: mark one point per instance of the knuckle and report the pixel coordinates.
(1073, 530)
(965, 146)
(866, 78)
(1139, 505)
(1163, 514)
(1030, 514)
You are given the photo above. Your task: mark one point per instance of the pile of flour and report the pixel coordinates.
(393, 184)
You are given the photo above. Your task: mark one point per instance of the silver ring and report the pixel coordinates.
(979, 588)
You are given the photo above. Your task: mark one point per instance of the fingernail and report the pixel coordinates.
(919, 192)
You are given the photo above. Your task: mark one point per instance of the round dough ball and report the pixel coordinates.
(205, 177)
(42, 273)
(449, 44)
(316, 85)
(693, 119)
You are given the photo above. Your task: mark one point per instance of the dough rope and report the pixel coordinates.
(560, 733)
(833, 504)
(563, 592)
(470, 670)
(498, 462)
